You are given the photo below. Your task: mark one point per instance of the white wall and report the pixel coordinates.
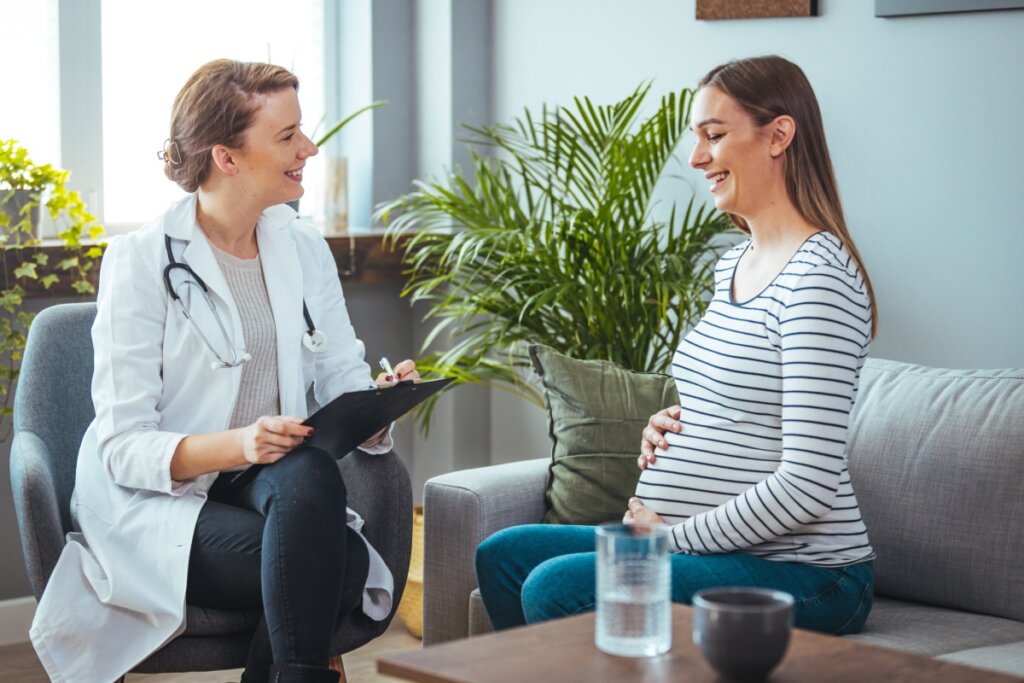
(923, 115)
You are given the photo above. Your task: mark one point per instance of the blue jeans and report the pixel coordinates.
(538, 572)
(279, 542)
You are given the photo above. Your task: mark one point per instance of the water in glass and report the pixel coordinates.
(634, 617)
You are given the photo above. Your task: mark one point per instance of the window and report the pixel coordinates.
(31, 99)
(144, 51)
(148, 52)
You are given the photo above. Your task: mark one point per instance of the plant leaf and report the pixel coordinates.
(26, 269)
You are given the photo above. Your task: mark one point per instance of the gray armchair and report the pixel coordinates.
(53, 408)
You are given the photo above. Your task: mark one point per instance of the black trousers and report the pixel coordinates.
(280, 542)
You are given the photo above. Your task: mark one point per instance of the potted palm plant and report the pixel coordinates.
(26, 190)
(559, 241)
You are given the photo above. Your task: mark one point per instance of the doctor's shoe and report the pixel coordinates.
(299, 673)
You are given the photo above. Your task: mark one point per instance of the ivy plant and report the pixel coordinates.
(28, 189)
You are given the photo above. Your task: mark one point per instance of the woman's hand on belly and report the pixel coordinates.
(638, 513)
(658, 425)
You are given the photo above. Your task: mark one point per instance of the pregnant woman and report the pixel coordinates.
(749, 471)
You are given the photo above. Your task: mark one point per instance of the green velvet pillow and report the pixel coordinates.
(596, 415)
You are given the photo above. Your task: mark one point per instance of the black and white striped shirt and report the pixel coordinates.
(766, 388)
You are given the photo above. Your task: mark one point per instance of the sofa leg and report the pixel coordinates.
(335, 664)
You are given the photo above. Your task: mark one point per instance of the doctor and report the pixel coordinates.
(213, 322)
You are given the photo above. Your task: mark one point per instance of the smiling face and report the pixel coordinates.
(735, 155)
(274, 151)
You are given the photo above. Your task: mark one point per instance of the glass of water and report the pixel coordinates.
(634, 599)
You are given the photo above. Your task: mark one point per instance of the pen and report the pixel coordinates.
(386, 367)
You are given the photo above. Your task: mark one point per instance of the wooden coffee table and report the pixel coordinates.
(564, 651)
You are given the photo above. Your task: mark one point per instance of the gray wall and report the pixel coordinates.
(923, 115)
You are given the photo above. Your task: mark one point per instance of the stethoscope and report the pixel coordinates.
(315, 340)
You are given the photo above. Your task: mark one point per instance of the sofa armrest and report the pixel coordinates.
(460, 510)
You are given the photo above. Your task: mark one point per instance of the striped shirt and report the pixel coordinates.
(766, 388)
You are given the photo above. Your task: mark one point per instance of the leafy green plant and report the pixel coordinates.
(26, 188)
(345, 121)
(558, 241)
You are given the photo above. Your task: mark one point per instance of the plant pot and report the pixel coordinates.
(11, 204)
(410, 610)
(335, 197)
(336, 190)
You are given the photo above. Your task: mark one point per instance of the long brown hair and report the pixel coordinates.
(769, 87)
(215, 107)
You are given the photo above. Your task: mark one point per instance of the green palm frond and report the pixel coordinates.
(556, 240)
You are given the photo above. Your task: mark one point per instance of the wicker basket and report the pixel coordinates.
(410, 610)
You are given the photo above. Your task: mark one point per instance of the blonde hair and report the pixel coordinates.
(215, 107)
(769, 87)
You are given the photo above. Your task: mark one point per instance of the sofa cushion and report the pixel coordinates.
(932, 630)
(479, 622)
(937, 462)
(596, 414)
(1007, 658)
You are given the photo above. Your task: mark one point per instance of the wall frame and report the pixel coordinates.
(903, 8)
(755, 9)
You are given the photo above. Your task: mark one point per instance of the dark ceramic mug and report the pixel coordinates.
(743, 633)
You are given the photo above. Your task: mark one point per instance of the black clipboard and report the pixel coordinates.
(352, 418)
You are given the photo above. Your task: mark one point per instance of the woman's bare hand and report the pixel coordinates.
(638, 513)
(268, 439)
(663, 421)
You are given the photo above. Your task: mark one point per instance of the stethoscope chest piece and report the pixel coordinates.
(315, 341)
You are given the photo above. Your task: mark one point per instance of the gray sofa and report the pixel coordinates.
(937, 460)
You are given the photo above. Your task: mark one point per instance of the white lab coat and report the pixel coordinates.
(117, 593)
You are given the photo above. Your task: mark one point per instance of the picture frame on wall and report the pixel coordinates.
(903, 8)
(755, 9)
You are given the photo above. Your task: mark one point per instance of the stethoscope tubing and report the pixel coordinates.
(313, 339)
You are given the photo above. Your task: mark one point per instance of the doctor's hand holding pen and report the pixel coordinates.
(403, 372)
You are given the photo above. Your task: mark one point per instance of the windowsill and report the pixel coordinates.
(374, 263)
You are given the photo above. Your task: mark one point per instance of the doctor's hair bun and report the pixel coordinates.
(215, 107)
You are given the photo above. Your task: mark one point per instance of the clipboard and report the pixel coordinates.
(350, 419)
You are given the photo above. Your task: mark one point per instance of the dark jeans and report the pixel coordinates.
(280, 542)
(537, 572)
